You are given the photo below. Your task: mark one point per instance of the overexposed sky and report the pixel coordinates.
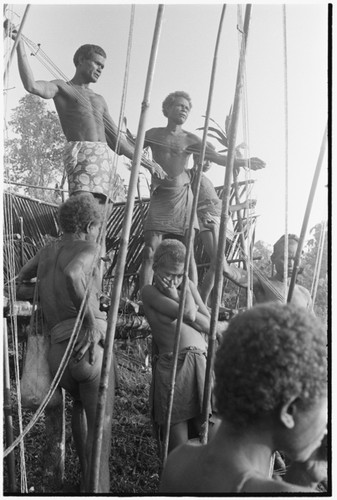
(184, 62)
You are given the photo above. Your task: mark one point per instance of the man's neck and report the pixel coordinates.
(79, 82)
(73, 236)
(174, 128)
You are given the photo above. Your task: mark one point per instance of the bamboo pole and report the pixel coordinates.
(307, 215)
(22, 245)
(16, 42)
(223, 226)
(318, 263)
(107, 373)
(189, 247)
(8, 413)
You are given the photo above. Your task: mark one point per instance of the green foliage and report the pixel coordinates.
(34, 155)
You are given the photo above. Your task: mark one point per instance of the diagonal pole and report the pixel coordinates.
(223, 226)
(307, 215)
(189, 246)
(106, 388)
(16, 42)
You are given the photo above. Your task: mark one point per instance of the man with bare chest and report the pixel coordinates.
(171, 198)
(85, 120)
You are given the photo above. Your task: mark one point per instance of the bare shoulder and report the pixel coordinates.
(154, 132)
(178, 467)
(193, 139)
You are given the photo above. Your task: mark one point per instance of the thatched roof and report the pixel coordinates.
(29, 223)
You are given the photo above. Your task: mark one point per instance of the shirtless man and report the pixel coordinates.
(161, 306)
(171, 198)
(63, 269)
(85, 120)
(272, 289)
(271, 393)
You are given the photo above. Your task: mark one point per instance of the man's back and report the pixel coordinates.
(54, 291)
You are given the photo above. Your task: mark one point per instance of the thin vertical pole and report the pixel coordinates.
(286, 143)
(22, 242)
(106, 387)
(8, 413)
(189, 247)
(223, 226)
(307, 215)
(318, 263)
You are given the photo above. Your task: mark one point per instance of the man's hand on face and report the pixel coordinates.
(166, 286)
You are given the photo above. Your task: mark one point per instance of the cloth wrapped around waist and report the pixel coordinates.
(63, 330)
(89, 167)
(170, 210)
(189, 385)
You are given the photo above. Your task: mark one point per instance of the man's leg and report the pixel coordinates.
(88, 377)
(208, 281)
(80, 433)
(192, 272)
(152, 240)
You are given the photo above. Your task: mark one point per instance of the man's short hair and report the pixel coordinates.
(169, 251)
(87, 51)
(78, 211)
(269, 354)
(170, 99)
(280, 241)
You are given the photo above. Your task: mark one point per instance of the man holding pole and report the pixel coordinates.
(171, 198)
(88, 127)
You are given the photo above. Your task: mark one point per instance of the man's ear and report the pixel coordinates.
(87, 227)
(288, 412)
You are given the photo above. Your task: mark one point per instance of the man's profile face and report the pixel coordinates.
(178, 112)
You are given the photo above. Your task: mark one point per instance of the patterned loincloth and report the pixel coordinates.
(189, 385)
(63, 330)
(89, 167)
(170, 210)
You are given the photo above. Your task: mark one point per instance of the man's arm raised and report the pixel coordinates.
(41, 88)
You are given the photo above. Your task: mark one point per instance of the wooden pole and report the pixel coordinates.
(307, 215)
(223, 226)
(8, 413)
(318, 263)
(107, 372)
(189, 247)
(16, 42)
(22, 246)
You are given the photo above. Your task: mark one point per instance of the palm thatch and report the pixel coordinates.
(30, 223)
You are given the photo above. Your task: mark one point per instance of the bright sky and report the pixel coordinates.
(184, 63)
